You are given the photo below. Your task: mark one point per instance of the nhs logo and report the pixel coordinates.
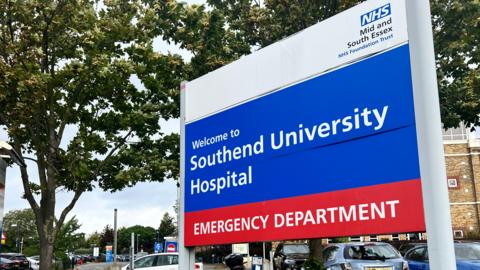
(375, 14)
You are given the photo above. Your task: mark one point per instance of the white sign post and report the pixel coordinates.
(432, 162)
(186, 255)
(96, 251)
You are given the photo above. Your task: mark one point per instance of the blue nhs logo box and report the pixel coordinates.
(375, 14)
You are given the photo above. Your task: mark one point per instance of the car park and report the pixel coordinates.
(19, 260)
(467, 256)
(363, 256)
(290, 256)
(159, 261)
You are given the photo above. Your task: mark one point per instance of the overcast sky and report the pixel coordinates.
(143, 204)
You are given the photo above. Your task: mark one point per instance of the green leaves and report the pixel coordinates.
(68, 64)
(456, 26)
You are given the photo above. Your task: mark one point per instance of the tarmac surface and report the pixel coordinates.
(109, 266)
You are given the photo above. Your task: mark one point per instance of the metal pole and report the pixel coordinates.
(21, 246)
(115, 235)
(17, 244)
(264, 258)
(3, 171)
(249, 260)
(132, 251)
(137, 242)
(187, 255)
(431, 155)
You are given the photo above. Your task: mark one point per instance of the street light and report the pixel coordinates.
(17, 246)
(137, 241)
(7, 151)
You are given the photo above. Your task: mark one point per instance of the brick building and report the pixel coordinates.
(462, 157)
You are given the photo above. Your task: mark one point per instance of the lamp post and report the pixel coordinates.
(17, 246)
(138, 235)
(7, 151)
(115, 236)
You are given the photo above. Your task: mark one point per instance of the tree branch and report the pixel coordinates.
(113, 150)
(25, 181)
(67, 210)
(70, 104)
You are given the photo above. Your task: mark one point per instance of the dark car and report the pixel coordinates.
(19, 260)
(467, 257)
(6, 264)
(290, 256)
(409, 245)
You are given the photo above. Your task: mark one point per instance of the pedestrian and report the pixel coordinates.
(73, 262)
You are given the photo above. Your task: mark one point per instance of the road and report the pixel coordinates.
(108, 266)
(98, 266)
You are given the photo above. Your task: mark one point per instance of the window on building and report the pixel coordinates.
(373, 238)
(452, 182)
(456, 134)
(395, 237)
(356, 239)
(458, 234)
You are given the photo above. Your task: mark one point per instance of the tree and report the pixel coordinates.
(146, 238)
(65, 71)
(23, 222)
(198, 30)
(457, 34)
(68, 237)
(94, 240)
(106, 237)
(167, 226)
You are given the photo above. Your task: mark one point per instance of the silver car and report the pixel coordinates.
(363, 256)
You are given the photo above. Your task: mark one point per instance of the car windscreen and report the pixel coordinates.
(3, 260)
(370, 252)
(467, 252)
(302, 249)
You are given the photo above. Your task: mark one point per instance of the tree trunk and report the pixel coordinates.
(46, 253)
(316, 248)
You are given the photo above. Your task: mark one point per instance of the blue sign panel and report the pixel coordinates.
(347, 130)
(158, 247)
(109, 256)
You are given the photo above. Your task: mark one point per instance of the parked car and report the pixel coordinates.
(407, 246)
(6, 264)
(360, 256)
(290, 256)
(34, 262)
(20, 261)
(159, 261)
(467, 256)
